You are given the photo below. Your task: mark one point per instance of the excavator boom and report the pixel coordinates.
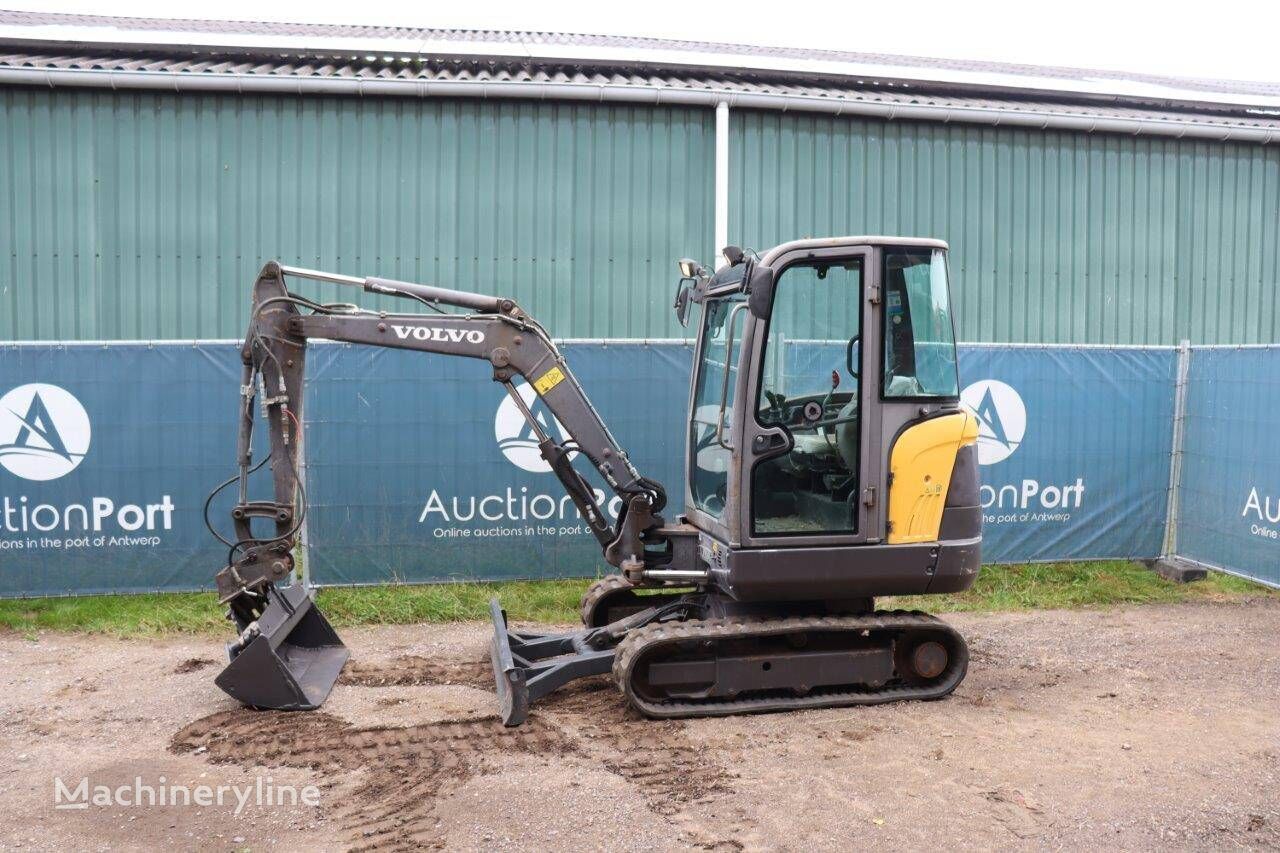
(274, 354)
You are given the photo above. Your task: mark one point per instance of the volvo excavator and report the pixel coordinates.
(827, 462)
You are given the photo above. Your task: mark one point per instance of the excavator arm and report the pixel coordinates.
(497, 331)
(286, 655)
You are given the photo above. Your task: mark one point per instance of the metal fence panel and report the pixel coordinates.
(417, 470)
(106, 454)
(1074, 444)
(1229, 506)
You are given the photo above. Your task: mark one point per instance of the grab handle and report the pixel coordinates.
(724, 387)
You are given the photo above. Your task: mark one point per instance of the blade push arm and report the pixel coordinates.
(499, 332)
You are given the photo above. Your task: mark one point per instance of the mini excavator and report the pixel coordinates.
(827, 462)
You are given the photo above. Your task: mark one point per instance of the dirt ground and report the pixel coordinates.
(1130, 728)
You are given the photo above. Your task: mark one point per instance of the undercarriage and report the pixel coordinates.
(700, 653)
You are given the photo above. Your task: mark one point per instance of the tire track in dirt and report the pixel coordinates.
(671, 769)
(412, 670)
(406, 767)
(654, 755)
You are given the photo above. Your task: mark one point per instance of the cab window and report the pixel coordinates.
(919, 336)
(709, 455)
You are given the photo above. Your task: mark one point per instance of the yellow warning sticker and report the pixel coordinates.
(548, 380)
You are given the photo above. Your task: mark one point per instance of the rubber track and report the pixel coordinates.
(643, 640)
(598, 591)
(618, 585)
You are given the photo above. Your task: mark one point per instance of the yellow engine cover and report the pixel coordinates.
(921, 464)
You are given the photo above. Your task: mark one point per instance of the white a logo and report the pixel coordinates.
(1002, 418)
(516, 438)
(44, 431)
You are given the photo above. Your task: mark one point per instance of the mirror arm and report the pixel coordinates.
(681, 304)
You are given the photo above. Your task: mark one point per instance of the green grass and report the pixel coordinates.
(1038, 586)
(1045, 585)
(198, 612)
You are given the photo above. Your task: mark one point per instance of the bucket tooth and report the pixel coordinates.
(292, 660)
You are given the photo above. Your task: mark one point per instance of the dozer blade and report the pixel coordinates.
(528, 666)
(513, 691)
(290, 661)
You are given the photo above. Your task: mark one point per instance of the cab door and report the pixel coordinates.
(810, 404)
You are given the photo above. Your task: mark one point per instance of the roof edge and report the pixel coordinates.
(653, 95)
(653, 53)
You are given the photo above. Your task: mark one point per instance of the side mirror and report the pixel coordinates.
(760, 290)
(682, 303)
(690, 272)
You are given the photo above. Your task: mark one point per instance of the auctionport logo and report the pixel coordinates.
(1263, 512)
(515, 511)
(44, 435)
(516, 438)
(44, 432)
(1002, 423)
(1002, 418)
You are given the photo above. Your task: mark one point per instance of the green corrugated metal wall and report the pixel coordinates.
(1055, 237)
(146, 215)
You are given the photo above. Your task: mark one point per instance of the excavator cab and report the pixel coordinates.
(828, 462)
(826, 445)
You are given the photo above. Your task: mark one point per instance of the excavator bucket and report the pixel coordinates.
(288, 659)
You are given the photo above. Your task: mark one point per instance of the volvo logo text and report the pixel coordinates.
(438, 333)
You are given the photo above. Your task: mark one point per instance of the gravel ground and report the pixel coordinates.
(1129, 728)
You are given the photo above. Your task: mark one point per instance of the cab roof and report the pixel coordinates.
(860, 240)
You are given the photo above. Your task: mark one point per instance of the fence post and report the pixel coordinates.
(304, 538)
(1168, 565)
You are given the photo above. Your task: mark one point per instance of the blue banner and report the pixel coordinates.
(106, 455)
(431, 473)
(1074, 445)
(419, 468)
(422, 469)
(1229, 501)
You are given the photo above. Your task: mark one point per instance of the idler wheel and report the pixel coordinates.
(929, 659)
